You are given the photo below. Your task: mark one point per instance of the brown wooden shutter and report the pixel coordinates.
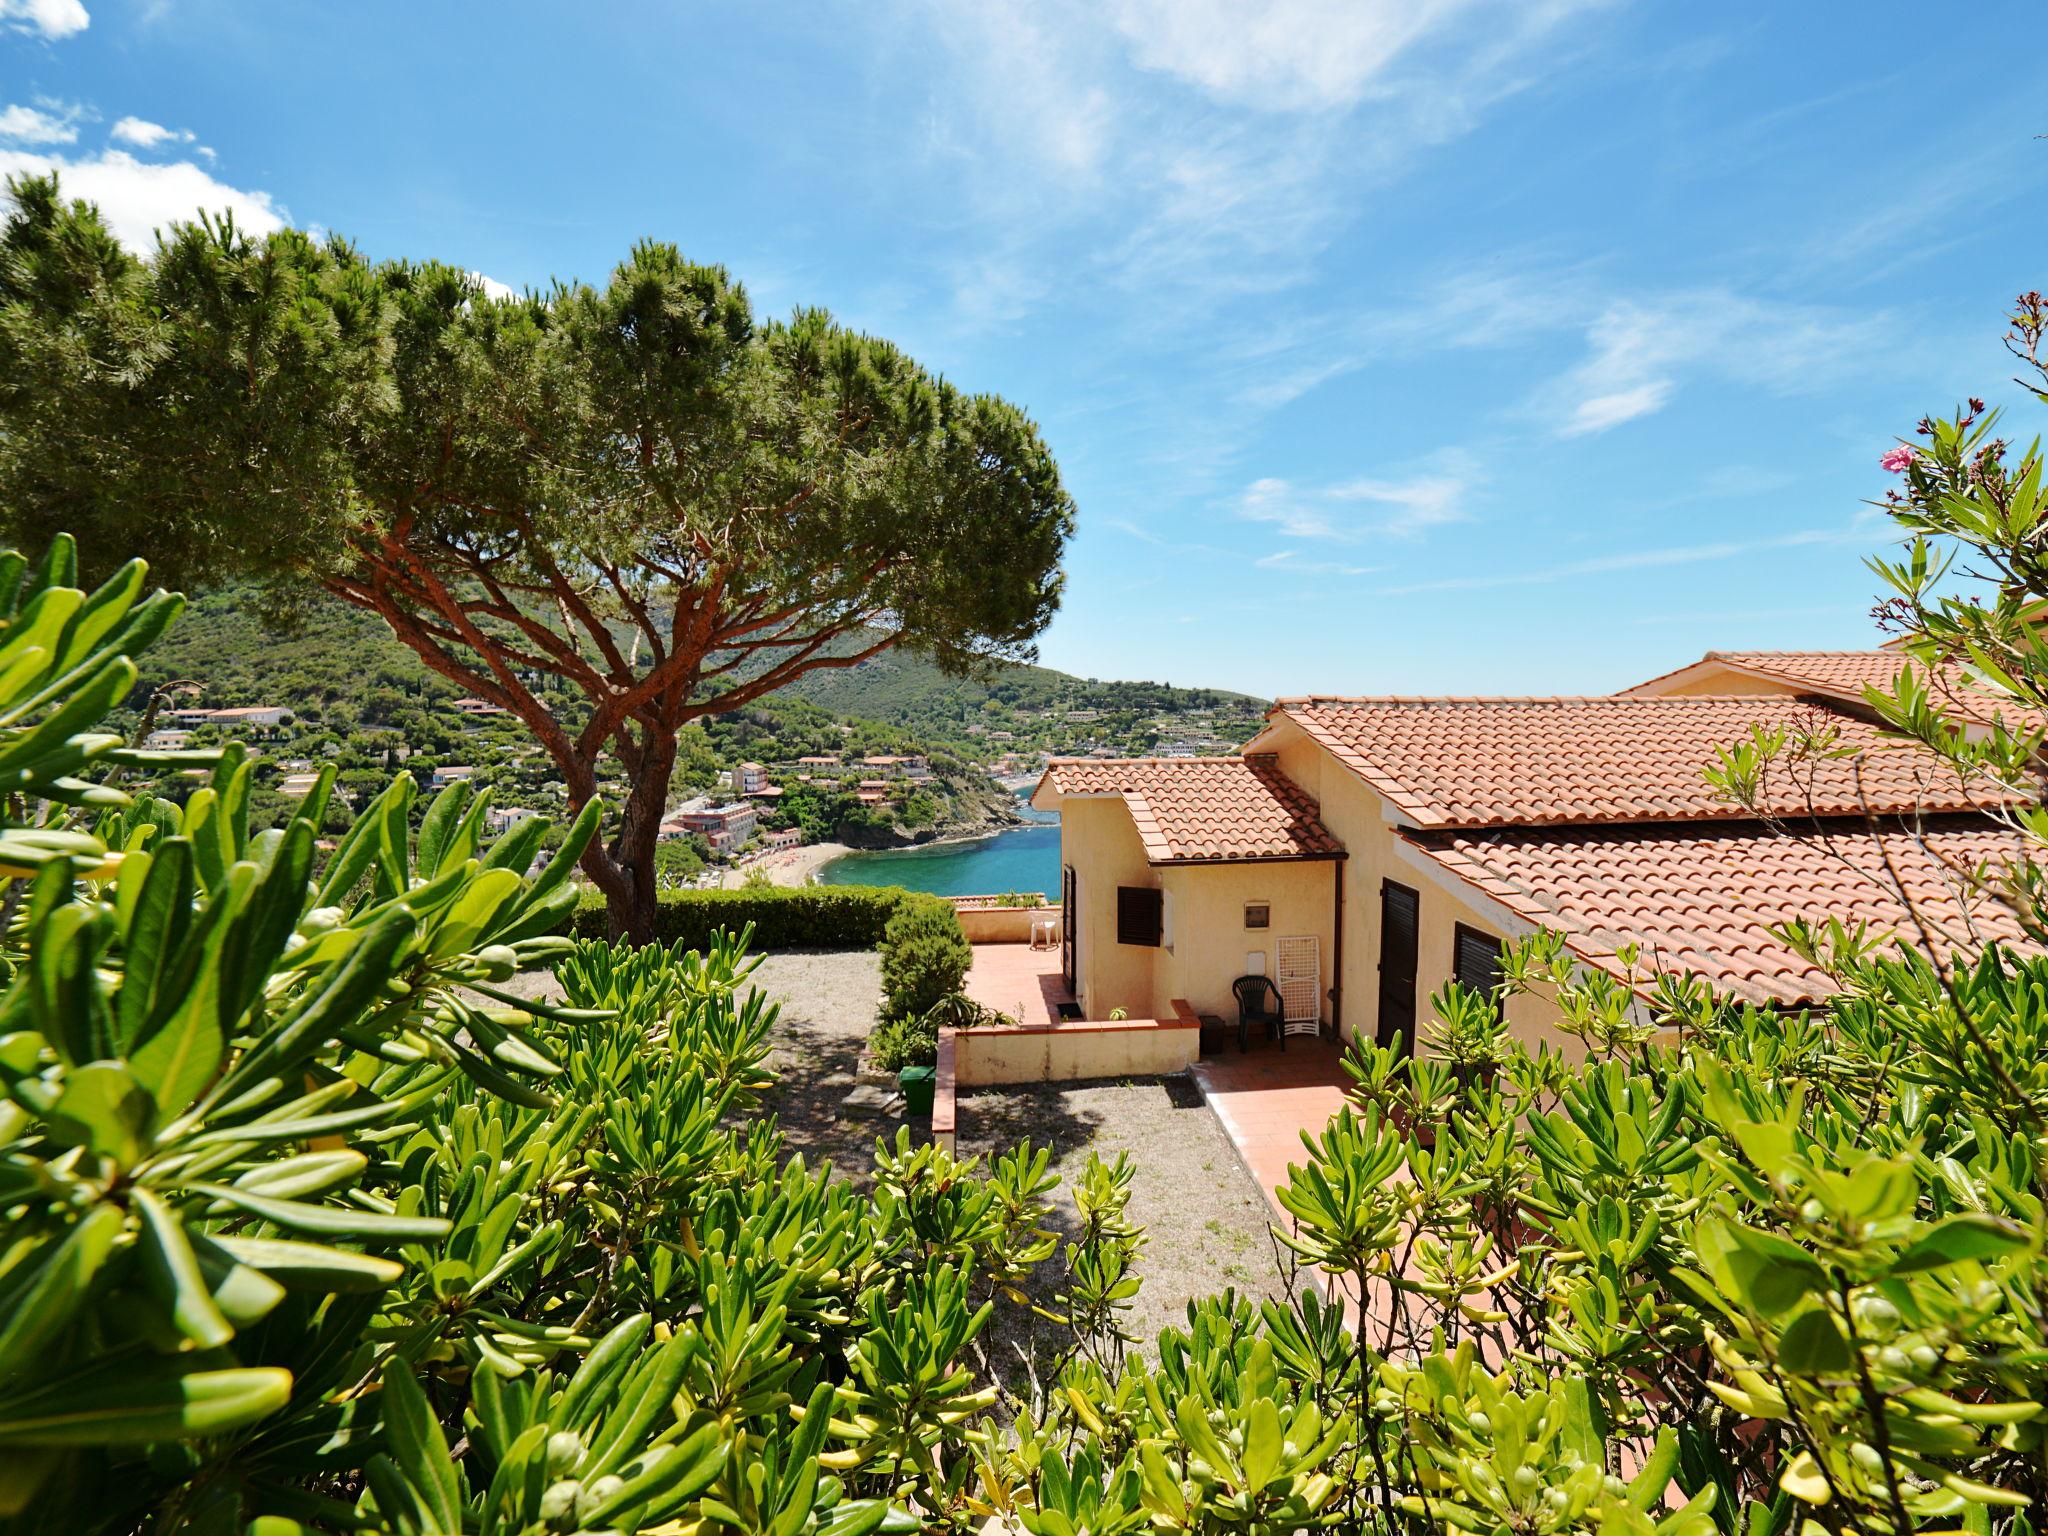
(1138, 919)
(1476, 962)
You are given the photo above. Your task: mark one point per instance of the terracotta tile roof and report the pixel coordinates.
(1701, 899)
(1846, 674)
(1558, 761)
(1203, 809)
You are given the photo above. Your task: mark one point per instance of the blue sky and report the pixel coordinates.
(1387, 345)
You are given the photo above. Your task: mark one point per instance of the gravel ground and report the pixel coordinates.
(1205, 1218)
(828, 1003)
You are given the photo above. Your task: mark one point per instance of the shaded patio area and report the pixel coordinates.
(1266, 1097)
(1018, 980)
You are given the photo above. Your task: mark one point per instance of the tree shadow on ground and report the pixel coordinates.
(816, 1068)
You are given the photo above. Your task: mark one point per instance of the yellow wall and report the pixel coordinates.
(1205, 918)
(1210, 940)
(1098, 840)
(1358, 818)
(1721, 681)
(1004, 925)
(1073, 1052)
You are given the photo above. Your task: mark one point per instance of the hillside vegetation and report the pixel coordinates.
(367, 703)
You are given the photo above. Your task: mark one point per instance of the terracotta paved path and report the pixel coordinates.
(1267, 1097)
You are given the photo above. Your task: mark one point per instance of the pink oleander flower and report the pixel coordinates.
(1898, 460)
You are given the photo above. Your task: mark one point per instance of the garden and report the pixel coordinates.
(314, 1221)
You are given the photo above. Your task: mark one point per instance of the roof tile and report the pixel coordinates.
(1204, 809)
(1702, 899)
(1560, 761)
(1846, 674)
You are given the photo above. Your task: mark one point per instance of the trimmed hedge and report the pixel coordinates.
(784, 917)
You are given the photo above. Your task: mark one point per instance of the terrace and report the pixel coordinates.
(1263, 1099)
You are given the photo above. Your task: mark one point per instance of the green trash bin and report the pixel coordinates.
(917, 1084)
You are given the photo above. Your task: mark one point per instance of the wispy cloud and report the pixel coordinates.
(1213, 149)
(1350, 510)
(1634, 560)
(1640, 350)
(1295, 560)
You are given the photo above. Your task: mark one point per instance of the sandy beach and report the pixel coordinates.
(791, 866)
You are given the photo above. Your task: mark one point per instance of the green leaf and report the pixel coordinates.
(131, 1402)
(39, 1307)
(1970, 1236)
(328, 1220)
(172, 1269)
(420, 1450)
(1814, 1345)
(103, 1109)
(312, 1266)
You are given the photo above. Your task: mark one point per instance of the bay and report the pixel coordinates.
(1025, 858)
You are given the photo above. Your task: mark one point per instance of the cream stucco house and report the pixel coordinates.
(1363, 852)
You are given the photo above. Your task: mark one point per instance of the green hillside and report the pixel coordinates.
(345, 667)
(364, 703)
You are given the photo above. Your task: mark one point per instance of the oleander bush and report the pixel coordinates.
(313, 1222)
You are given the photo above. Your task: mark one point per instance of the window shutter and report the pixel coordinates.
(1476, 962)
(1137, 915)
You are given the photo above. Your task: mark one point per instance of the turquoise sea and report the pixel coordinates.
(1023, 858)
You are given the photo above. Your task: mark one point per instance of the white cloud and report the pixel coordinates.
(1198, 150)
(1357, 509)
(38, 125)
(147, 135)
(138, 197)
(1603, 411)
(1291, 560)
(1640, 348)
(493, 289)
(47, 18)
(1280, 54)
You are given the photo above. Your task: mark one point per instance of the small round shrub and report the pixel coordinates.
(924, 957)
(912, 1041)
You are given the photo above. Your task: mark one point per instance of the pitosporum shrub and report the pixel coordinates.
(801, 917)
(924, 956)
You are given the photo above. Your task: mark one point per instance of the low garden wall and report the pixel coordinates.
(989, 1055)
(1002, 925)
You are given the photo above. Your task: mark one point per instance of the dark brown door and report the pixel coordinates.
(1400, 933)
(1070, 925)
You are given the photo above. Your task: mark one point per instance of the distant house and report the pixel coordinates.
(788, 837)
(721, 826)
(455, 773)
(871, 796)
(907, 767)
(258, 717)
(819, 762)
(503, 818)
(479, 707)
(263, 716)
(167, 741)
(749, 779)
(297, 784)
